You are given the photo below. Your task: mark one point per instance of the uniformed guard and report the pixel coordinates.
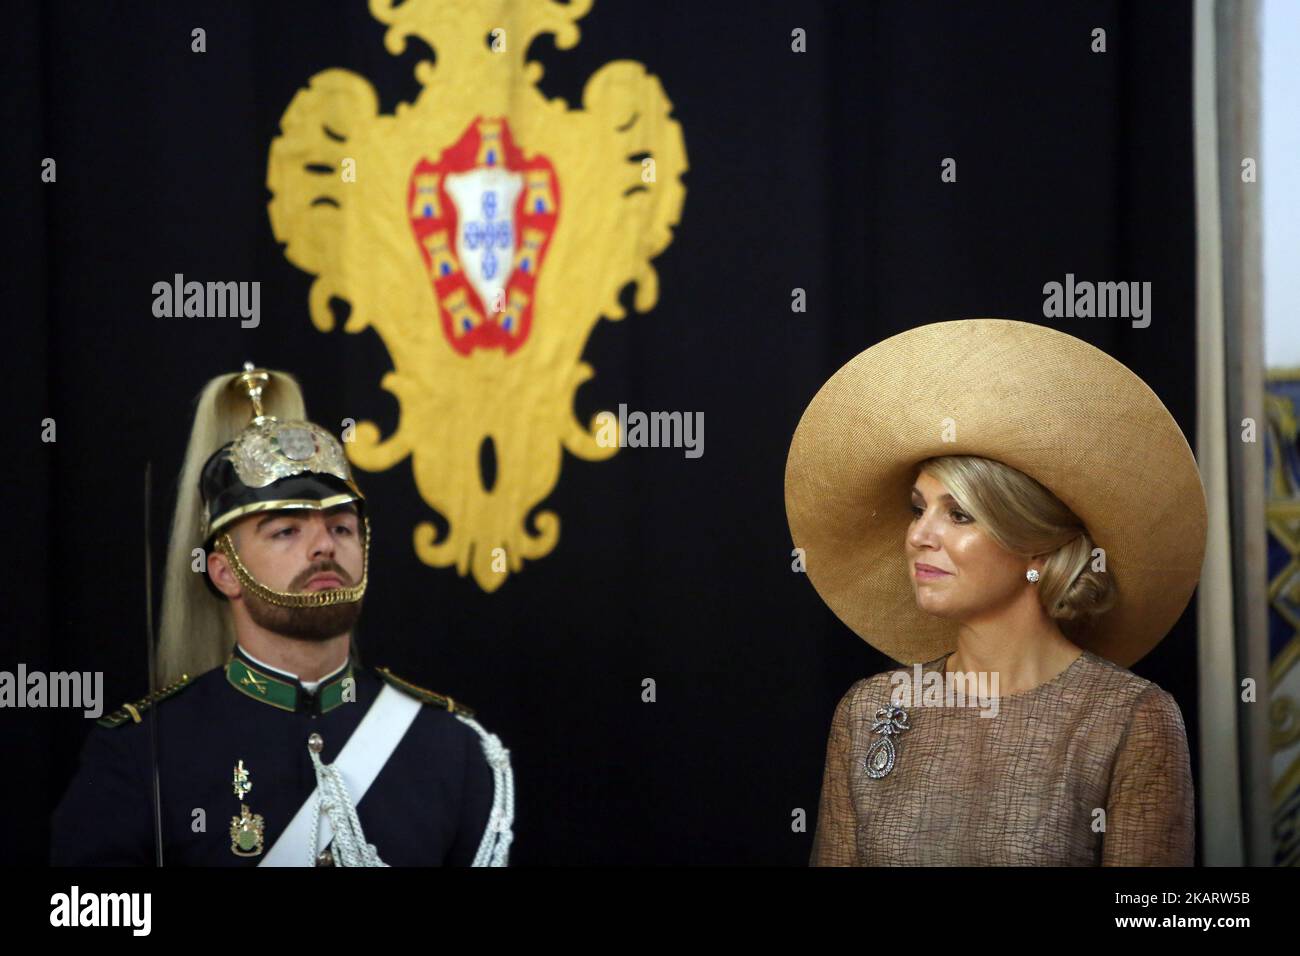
(267, 743)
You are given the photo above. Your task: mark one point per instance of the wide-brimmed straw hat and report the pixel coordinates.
(1044, 402)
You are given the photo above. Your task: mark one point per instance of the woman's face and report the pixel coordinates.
(979, 577)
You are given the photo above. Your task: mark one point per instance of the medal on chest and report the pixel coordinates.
(247, 831)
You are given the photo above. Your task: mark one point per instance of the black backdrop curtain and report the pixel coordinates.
(818, 170)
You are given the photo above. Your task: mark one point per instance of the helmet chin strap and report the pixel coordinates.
(322, 598)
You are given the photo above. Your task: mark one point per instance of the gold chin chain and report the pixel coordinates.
(322, 598)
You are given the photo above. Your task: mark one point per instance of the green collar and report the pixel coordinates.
(277, 689)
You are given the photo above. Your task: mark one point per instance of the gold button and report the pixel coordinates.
(316, 743)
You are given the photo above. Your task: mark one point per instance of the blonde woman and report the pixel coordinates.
(1013, 514)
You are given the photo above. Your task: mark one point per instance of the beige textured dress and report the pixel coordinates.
(1018, 789)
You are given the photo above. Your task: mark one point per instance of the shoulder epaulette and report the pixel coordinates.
(428, 696)
(131, 712)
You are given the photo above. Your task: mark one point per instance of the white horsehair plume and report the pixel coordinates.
(198, 631)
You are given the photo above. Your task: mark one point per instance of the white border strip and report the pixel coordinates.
(1220, 797)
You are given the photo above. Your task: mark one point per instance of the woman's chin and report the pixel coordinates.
(931, 608)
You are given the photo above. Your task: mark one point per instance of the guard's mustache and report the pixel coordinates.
(328, 567)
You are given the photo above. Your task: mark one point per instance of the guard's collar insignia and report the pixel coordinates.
(270, 687)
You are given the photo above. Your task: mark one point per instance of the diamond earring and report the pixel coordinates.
(1032, 575)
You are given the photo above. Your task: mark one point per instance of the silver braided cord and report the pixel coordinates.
(494, 850)
(349, 841)
(350, 846)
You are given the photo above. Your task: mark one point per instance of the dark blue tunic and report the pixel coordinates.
(428, 806)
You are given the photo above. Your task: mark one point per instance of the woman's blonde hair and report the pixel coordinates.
(1026, 519)
(197, 629)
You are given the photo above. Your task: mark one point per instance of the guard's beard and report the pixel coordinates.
(303, 623)
(308, 623)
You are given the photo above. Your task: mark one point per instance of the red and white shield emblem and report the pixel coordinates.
(483, 216)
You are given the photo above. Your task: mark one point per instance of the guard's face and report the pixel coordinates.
(981, 578)
(300, 550)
